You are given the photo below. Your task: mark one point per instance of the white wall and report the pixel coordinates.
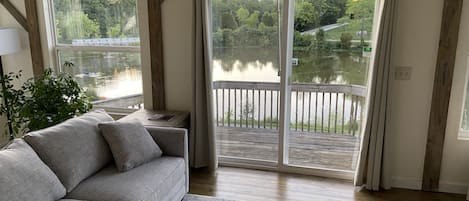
(416, 45)
(178, 53)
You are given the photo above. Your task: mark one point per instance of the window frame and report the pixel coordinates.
(57, 47)
(464, 134)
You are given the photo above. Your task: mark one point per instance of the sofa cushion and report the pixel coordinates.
(74, 149)
(23, 176)
(148, 182)
(131, 144)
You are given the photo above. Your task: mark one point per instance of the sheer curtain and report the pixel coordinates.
(202, 135)
(370, 168)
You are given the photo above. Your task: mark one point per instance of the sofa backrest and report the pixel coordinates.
(74, 149)
(24, 176)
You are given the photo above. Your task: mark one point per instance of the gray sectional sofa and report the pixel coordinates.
(72, 161)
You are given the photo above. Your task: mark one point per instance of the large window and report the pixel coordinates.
(101, 39)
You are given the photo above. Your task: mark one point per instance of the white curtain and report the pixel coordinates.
(370, 168)
(202, 135)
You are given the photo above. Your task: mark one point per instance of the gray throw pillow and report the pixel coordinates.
(23, 176)
(131, 144)
(74, 149)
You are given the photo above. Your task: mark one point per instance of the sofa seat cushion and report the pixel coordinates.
(148, 182)
(74, 149)
(23, 176)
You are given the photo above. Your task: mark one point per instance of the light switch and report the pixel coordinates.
(403, 73)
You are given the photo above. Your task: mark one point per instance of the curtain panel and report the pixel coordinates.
(370, 172)
(202, 135)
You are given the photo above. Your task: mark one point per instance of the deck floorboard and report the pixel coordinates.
(321, 150)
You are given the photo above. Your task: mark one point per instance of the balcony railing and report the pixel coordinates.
(316, 108)
(319, 108)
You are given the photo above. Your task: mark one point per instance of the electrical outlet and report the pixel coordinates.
(403, 73)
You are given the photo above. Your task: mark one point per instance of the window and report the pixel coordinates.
(464, 127)
(101, 39)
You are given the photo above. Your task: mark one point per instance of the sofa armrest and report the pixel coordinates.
(172, 141)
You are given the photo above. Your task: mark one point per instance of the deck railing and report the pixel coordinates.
(316, 108)
(325, 108)
(126, 102)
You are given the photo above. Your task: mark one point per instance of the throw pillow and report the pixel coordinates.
(23, 176)
(130, 143)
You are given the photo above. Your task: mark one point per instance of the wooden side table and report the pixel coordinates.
(175, 119)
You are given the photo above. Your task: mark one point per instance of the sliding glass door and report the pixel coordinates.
(290, 82)
(245, 36)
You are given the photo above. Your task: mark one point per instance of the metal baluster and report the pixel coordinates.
(322, 114)
(343, 113)
(265, 103)
(216, 106)
(223, 107)
(271, 108)
(278, 108)
(296, 105)
(316, 113)
(330, 109)
(259, 108)
(355, 119)
(229, 107)
(303, 112)
(247, 107)
(309, 112)
(253, 109)
(351, 115)
(336, 106)
(235, 105)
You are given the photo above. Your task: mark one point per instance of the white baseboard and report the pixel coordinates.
(416, 184)
(406, 183)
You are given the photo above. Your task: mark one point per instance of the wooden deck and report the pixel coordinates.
(320, 150)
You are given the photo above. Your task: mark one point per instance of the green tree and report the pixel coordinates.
(320, 39)
(346, 40)
(253, 20)
(242, 14)
(228, 21)
(75, 25)
(305, 16)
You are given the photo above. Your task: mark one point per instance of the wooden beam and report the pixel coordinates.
(156, 54)
(34, 37)
(15, 13)
(441, 93)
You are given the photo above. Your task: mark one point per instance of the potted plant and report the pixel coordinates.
(42, 102)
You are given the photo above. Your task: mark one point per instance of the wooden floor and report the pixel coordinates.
(253, 185)
(321, 150)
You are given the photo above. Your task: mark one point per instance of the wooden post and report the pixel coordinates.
(34, 37)
(156, 54)
(441, 93)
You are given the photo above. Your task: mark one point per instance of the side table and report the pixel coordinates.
(175, 119)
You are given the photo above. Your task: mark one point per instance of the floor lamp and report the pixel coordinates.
(9, 43)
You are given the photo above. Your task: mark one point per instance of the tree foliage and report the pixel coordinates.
(86, 19)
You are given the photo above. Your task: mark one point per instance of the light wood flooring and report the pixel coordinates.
(254, 185)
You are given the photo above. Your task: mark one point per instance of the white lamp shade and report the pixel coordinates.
(9, 41)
